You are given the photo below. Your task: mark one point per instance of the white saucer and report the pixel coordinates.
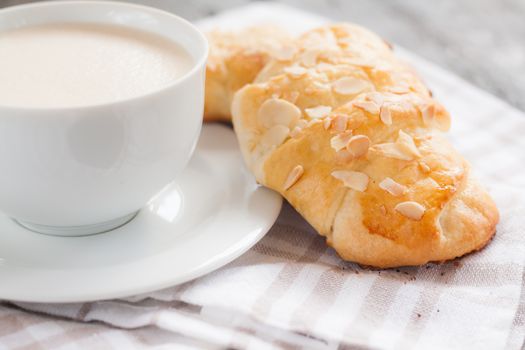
(213, 214)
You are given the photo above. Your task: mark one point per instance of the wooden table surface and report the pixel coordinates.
(481, 40)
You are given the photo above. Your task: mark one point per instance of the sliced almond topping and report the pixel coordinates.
(406, 143)
(401, 106)
(298, 126)
(427, 113)
(276, 111)
(424, 167)
(315, 121)
(353, 179)
(340, 123)
(400, 90)
(309, 58)
(404, 148)
(327, 123)
(382, 208)
(376, 97)
(318, 112)
(321, 86)
(301, 123)
(314, 74)
(360, 62)
(411, 210)
(392, 187)
(338, 142)
(295, 71)
(385, 116)
(275, 135)
(391, 150)
(293, 177)
(358, 145)
(350, 86)
(284, 53)
(367, 106)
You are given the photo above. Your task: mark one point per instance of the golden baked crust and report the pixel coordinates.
(353, 140)
(235, 59)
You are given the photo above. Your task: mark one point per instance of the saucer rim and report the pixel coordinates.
(214, 261)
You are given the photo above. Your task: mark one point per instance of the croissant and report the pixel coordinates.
(235, 59)
(352, 138)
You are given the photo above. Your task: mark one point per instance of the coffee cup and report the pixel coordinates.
(87, 168)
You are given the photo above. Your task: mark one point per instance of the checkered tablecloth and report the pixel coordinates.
(291, 290)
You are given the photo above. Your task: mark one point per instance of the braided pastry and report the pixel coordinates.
(353, 140)
(235, 59)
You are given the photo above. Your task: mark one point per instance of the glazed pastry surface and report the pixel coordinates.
(353, 139)
(235, 59)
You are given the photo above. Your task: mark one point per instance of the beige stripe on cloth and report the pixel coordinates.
(288, 274)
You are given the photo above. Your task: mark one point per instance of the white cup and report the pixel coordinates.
(84, 170)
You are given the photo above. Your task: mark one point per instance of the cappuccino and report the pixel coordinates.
(71, 65)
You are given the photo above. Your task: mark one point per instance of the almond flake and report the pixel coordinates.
(315, 121)
(327, 123)
(295, 71)
(318, 112)
(391, 150)
(401, 106)
(338, 142)
(376, 97)
(309, 58)
(392, 187)
(385, 116)
(399, 90)
(352, 179)
(406, 143)
(360, 62)
(404, 148)
(382, 208)
(321, 86)
(340, 122)
(301, 123)
(275, 135)
(367, 106)
(293, 177)
(427, 113)
(350, 86)
(358, 145)
(285, 53)
(411, 210)
(276, 111)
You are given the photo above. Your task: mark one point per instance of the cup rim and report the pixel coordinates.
(196, 65)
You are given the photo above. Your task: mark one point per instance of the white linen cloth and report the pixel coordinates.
(291, 291)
